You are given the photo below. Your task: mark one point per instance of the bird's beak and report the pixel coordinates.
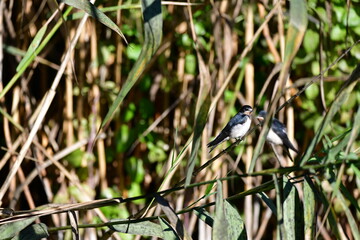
(260, 118)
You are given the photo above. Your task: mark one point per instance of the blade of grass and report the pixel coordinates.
(292, 210)
(33, 46)
(309, 210)
(34, 232)
(168, 230)
(220, 229)
(280, 231)
(146, 228)
(90, 9)
(171, 215)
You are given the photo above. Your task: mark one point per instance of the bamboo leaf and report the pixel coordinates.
(236, 227)
(34, 232)
(292, 211)
(227, 223)
(268, 202)
(151, 10)
(168, 230)
(171, 215)
(93, 11)
(309, 209)
(33, 46)
(146, 228)
(220, 224)
(294, 37)
(203, 215)
(280, 231)
(10, 230)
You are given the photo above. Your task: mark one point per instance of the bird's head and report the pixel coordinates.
(246, 109)
(261, 116)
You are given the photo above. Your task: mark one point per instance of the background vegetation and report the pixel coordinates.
(101, 137)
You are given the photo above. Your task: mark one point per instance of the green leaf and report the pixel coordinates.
(153, 22)
(337, 33)
(311, 41)
(220, 224)
(33, 232)
(227, 223)
(190, 64)
(292, 210)
(168, 230)
(268, 202)
(309, 209)
(33, 46)
(146, 228)
(312, 91)
(171, 215)
(236, 227)
(90, 9)
(9, 230)
(205, 216)
(133, 51)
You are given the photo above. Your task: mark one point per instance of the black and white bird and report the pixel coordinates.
(277, 134)
(236, 128)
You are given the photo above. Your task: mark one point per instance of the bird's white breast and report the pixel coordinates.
(239, 130)
(274, 138)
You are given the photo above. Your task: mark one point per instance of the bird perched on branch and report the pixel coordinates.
(236, 128)
(277, 134)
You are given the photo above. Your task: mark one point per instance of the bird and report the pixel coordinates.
(236, 128)
(277, 134)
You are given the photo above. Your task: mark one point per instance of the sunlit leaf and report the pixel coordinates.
(93, 11)
(309, 209)
(9, 230)
(34, 232)
(220, 229)
(146, 228)
(168, 230)
(33, 46)
(227, 223)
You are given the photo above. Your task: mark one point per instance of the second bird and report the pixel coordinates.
(277, 134)
(237, 127)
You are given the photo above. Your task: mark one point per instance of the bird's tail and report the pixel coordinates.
(219, 139)
(293, 148)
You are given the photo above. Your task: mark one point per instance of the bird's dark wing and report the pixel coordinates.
(239, 118)
(280, 130)
(223, 135)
